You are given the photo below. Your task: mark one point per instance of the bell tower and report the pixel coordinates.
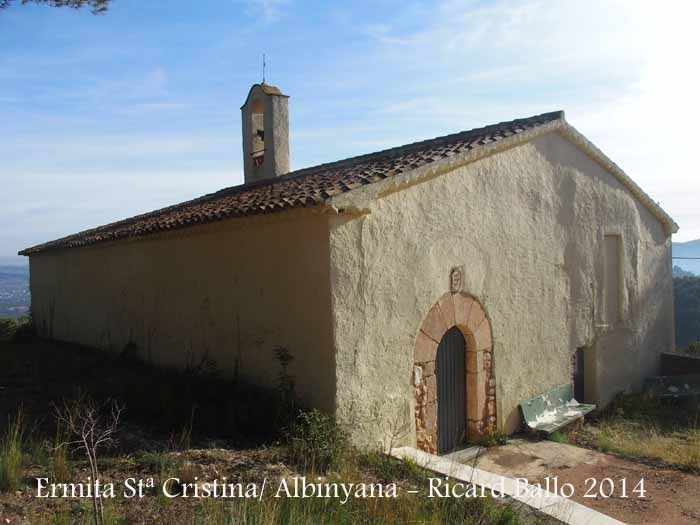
(265, 119)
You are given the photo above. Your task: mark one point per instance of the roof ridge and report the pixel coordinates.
(346, 162)
(356, 159)
(261, 197)
(350, 161)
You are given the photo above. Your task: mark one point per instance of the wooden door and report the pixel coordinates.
(451, 372)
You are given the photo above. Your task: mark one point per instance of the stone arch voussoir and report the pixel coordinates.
(466, 313)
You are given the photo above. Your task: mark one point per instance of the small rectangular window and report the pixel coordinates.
(612, 278)
(577, 362)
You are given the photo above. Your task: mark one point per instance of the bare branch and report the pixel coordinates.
(98, 7)
(92, 428)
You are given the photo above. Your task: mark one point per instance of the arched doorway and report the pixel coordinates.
(456, 322)
(451, 379)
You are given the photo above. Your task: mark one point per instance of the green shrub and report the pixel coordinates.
(7, 328)
(183, 439)
(156, 462)
(36, 450)
(287, 401)
(641, 407)
(11, 454)
(558, 437)
(686, 300)
(316, 442)
(361, 511)
(641, 426)
(24, 331)
(18, 330)
(493, 439)
(130, 352)
(390, 469)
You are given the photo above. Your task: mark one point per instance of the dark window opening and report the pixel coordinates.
(578, 374)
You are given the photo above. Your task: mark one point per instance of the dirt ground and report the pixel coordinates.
(156, 442)
(35, 375)
(249, 466)
(671, 497)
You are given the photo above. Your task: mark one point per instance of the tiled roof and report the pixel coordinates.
(298, 189)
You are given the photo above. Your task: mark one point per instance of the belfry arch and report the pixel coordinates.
(464, 312)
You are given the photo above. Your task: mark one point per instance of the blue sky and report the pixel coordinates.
(103, 117)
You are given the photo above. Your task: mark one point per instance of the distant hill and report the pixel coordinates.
(14, 290)
(680, 272)
(14, 260)
(686, 294)
(687, 249)
(14, 273)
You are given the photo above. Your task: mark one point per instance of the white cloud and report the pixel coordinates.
(155, 81)
(624, 71)
(53, 204)
(651, 126)
(152, 107)
(106, 146)
(266, 10)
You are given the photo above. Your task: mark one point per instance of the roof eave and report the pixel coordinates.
(358, 199)
(282, 214)
(434, 169)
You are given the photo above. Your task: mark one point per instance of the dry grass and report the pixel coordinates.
(372, 468)
(11, 460)
(680, 449)
(39, 373)
(414, 509)
(59, 463)
(641, 427)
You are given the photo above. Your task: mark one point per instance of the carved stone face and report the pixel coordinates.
(456, 279)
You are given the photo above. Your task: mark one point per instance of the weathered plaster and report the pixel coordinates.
(527, 224)
(228, 292)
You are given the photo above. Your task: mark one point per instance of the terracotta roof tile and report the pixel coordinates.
(302, 188)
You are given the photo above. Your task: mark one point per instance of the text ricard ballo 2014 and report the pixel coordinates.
(303, 487)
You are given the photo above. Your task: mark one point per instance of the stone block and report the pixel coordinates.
(475, 429)
(472, 403)
(487, 362)
(483, 335)
(422, 441)
(430, 418)
(476, 397)
(476, 317)
(426, 348)
(431, 388)
(447, 309)
(428, 445)
(492, 407)
(462, 309)
(475, 362)
(417, 376)
(434, 325)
